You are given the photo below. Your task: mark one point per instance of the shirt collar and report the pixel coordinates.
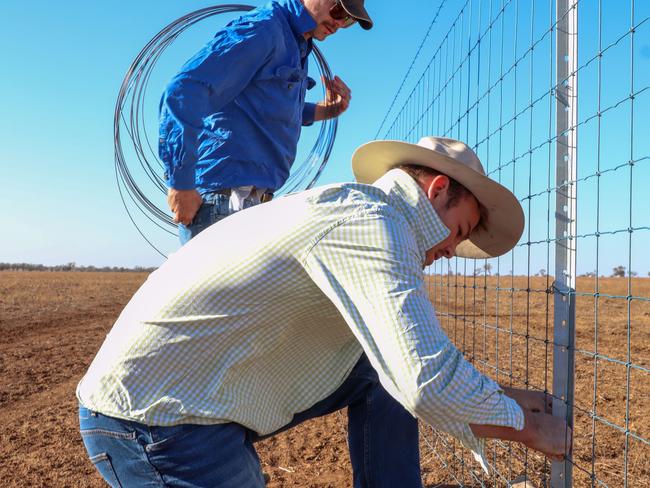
(411, 201)
(299, 19)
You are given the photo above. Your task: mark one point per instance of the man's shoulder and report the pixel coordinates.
(265, 20)
(356, 192)
(352, 199)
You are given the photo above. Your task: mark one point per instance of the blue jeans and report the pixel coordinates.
(213, 209)
(382, 438)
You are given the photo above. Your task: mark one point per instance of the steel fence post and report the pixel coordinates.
(566, 94)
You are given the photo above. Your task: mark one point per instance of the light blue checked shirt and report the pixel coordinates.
(266, 312)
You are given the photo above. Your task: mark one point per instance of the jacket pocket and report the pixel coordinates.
(282, 94)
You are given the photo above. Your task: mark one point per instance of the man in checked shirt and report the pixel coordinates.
(321, 305)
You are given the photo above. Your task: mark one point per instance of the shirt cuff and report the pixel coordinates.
(308, 114)
(503, 411)
(512, 416)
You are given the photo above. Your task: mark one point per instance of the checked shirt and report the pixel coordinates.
(266, 312)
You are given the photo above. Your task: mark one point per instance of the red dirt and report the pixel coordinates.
(52, 324)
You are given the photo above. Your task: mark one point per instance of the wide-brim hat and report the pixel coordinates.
(356, 10)
(498, 234)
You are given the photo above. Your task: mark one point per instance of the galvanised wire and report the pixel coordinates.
(457, 95)
(131, 116)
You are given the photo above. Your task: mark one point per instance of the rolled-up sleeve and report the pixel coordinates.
(371, 269)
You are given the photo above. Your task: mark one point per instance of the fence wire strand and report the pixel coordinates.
(491, 80)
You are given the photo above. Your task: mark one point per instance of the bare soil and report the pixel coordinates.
(52, 324)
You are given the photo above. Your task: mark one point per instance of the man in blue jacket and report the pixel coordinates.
(231, 118)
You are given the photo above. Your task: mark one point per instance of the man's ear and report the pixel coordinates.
(437, 185)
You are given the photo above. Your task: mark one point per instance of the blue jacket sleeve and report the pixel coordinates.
(308, 112)
(207, 82)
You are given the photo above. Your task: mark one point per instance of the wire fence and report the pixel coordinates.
(553, 96)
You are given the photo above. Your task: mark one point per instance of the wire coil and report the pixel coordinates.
(130, 116)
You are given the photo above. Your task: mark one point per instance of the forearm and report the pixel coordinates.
(542, 432)
(505, 433)
(325, 111)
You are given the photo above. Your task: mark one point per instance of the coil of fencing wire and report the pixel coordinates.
(130, 116)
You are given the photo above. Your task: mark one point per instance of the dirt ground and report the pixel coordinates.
(52, 324)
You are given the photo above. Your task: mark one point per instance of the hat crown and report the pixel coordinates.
(456, 150)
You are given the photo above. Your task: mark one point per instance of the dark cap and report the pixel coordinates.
(356, 10)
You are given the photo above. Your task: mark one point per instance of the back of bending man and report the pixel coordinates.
(231, 118)
(324, 307)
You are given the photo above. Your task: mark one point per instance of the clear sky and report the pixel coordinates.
(63, 64)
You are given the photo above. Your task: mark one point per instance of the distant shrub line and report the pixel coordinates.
(70, 267)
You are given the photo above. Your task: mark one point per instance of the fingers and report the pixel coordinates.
(567, 448)
(337, 98)
(329, 87)
(183, 218)
(555, 437)
(341, 89)
(185, 214)
(336, 86)
(184, 204)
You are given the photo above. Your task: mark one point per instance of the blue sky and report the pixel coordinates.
(67, 60)
(60, 82)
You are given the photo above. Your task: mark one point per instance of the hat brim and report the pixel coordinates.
(505, 217)
(359, 13)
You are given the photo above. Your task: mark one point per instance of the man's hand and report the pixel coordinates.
(337, 99)
(184, 204)
(542, 432)
(547, 434)
(535, 401)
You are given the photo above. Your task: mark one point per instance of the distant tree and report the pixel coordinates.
(619, 272)
(590, 274)
(633, 274)
(488, 269)
(542, 272)
(67, 267)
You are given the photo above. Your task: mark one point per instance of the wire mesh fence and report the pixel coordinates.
(553, 97)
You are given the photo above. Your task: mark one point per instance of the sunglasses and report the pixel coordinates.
(337, 12)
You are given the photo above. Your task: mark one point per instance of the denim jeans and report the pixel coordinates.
(214, 208)
(382, 438)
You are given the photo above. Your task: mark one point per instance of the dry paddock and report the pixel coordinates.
(52, 323)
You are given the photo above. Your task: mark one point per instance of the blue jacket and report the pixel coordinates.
(232, 116)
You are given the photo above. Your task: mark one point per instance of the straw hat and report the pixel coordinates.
(505, 217)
